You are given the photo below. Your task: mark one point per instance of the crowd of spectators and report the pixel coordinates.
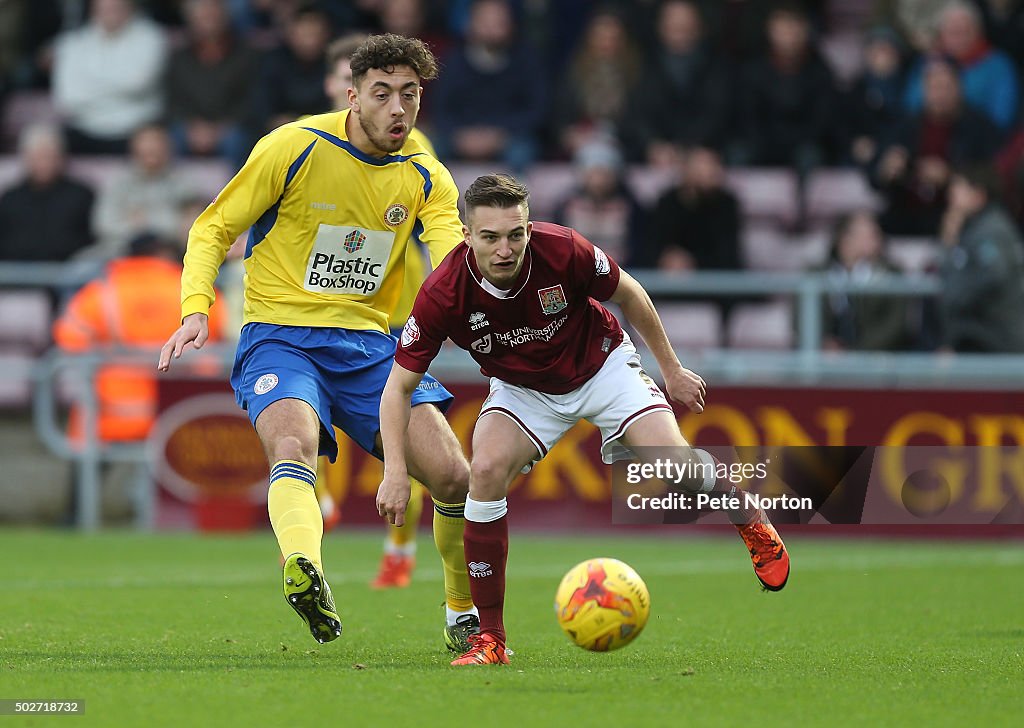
(692, 87)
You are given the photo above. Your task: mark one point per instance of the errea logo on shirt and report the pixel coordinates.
(478, 320)
(323, 205)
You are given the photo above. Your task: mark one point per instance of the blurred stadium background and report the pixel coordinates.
(776, 173)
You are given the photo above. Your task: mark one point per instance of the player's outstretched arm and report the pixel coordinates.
(395, 407)
(681, 384)
(194, 329)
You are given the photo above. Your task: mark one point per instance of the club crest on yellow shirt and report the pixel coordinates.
(396, 214)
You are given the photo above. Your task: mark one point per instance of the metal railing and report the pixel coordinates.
(808, 288)
(62, 278)
(88, 453)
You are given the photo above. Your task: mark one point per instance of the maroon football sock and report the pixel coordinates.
(737, 516)
(486, 547)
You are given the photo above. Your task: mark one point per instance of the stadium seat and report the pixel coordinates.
(24, 108)
(766, 248)
(25, 320)
(814, 247)
(16, 383)
(913, 255)
(549, 184)
(465, 172)
(835, 192)
(761, 326)
(10, 171)
(765, 194)
(649, 183)
(692, 326)
(97, 172)
(207, 176)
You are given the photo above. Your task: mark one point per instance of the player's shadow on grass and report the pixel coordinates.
(139, 661)
(264, 659)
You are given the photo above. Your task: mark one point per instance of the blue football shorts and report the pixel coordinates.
(340, 373)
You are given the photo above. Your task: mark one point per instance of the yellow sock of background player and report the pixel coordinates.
(449, 523)
(400, 545)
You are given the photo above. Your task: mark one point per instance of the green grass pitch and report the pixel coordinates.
(180, 630)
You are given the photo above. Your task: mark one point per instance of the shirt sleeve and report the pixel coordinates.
(594, 272)
(439, 216)
(253, 191)
(422, 335)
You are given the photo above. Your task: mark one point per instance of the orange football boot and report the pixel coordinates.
(483, 650)
(395, 572)
(767, 552)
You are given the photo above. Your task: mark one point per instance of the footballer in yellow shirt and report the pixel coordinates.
(331, 203)
(399, 557)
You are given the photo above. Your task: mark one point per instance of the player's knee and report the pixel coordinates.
(292, 447)
(489, 478)
(452, 484)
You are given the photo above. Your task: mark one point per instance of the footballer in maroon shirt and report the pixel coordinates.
(524, 299)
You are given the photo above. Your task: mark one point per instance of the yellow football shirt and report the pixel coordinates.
(329, 227)
(415, 265)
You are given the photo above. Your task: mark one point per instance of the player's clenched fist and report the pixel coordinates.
(194, 329)
(685, 386)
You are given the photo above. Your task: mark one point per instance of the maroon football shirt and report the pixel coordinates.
(548, 332)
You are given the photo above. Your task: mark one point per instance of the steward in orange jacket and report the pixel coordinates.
(136, 303)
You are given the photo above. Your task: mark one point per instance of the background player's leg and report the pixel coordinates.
(290, 432)
(400, 544)
(500, 451)
(435, 458)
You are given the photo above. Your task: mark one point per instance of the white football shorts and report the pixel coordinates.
(618, 395)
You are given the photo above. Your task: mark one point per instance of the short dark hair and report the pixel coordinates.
(388, 50)
(790, 9)
(311, 10)
(496, 190)
(842, 226)
(982, 177)
(342, 48)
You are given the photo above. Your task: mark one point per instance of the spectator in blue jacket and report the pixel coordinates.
(987, 74)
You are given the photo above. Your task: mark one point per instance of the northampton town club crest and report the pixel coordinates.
(552, 300)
